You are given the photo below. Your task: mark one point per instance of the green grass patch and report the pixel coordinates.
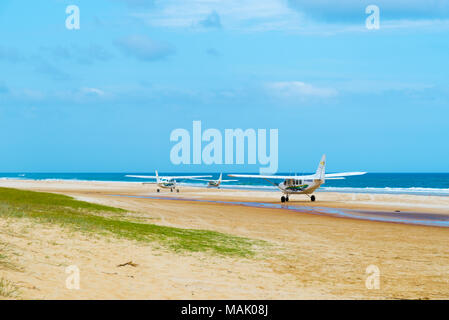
(42, 200)
(4, 262)
(89, 217)
(8, 289)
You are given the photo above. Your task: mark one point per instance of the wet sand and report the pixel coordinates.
(313, 256)
(416, 218)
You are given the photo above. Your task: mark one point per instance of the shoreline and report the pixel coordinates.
(413, 191)
(312, 256)
(410, 218)
(391, 203)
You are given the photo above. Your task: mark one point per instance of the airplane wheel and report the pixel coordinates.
(171, 190)
(312, 198)
(158, 190)
(282, 199)
(177, 190)
(286, 199)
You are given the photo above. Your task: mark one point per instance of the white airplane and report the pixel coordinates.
(215, 183)
(302, 184)
(167, 182)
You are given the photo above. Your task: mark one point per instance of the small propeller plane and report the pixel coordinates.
(167, 182)
(302, 184)
(215, 183)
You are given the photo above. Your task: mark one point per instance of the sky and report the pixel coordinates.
(106, 97)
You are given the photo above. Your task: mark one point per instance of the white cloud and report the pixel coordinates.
(138, 3)
(301, 16)
(29, 94)
(298, 89)
(68, 95)
(144, 48)
(92, 91)
(348, 11)
(234, 14)
(380, 86)
(211, 21)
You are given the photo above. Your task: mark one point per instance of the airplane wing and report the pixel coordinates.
(343, 174)
(168, 177)
(331, 176)
(256, 176)
(213, 180)
(320, 174)
(187, 177)
(141, 177)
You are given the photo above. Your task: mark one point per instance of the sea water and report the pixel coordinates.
(386, 183)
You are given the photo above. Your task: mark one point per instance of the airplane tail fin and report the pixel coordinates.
(321, 171)
(157, 177)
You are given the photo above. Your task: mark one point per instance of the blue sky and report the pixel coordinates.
(106, 97)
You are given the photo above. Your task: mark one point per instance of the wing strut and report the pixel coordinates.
(274, 184)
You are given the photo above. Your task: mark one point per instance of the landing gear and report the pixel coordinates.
(312, 198)
(177, 190)
(158, 190)
(283, 199)
(286, 198)
(171, 190)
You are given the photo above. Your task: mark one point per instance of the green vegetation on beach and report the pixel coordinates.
(94, 218)
(7, 288)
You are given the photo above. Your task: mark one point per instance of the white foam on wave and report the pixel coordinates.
(389, 190)
(386, 190)
(377, 190)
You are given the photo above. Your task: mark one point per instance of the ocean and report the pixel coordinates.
(387, 183)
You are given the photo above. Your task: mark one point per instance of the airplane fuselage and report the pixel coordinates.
(167, 184)
(294, 186)
(213, 184)
(301, 184)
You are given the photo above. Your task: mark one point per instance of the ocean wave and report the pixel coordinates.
(42, 179)
(411, 190)
(242, 186)
(385, 190)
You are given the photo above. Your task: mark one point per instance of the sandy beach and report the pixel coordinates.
(312, 252)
